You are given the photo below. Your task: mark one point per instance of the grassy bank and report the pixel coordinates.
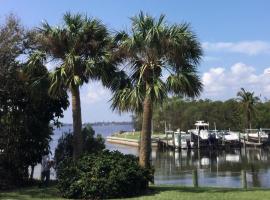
(135, 135)
(155, 193)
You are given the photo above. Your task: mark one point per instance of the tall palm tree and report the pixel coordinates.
(161, 59)
(81, 50)
(248, 101)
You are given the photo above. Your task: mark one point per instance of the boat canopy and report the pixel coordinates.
(201, 124)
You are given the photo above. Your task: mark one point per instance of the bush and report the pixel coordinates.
(104, 175)
(92, 144)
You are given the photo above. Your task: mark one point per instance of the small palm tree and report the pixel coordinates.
(161, 60)
(248, 101)
(81, 49)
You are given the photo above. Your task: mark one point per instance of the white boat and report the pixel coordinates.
(228, 135)
(257, 134)
(202, 130)
(183, 140)
(231, 136)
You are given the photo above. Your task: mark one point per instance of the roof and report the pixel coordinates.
(201, 123)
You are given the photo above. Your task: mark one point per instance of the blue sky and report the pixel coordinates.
(235, 36)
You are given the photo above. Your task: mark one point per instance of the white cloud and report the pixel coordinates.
(222, 83)
(94, 93)
(244, 47)
(241, 69)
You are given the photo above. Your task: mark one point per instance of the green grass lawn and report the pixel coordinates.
(128, 135)
(156, 193)
(32, 193)
(134, 135)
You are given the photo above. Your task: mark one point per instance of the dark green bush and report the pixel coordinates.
(104, 175)
(92, 144)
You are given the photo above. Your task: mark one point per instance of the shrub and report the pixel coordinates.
(92, 144)
(104, 175)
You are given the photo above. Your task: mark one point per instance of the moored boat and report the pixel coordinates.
(183, 140)
(201, 130)
(228, 136)
(257, 135)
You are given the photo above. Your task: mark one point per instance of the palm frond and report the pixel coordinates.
(154, 45)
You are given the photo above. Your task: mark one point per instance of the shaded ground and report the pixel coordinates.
(156, 193)
(33, 193)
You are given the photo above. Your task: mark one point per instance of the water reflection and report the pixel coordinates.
(215, 168)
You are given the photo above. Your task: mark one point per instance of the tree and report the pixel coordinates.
(81, 49)
(25, 111)
(162, 59)
(183, 113)
(248, 101)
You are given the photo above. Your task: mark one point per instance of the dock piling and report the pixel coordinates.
(180, 140)
(223, 139)
(173, 139)
(199, 138)
(244, 179)
(195, 178)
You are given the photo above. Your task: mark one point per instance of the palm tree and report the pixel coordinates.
(161, 59)
(82, 50)
(248, 101)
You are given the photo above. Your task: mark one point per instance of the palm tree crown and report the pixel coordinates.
(80, 47)
(162, 60)
(248, 101)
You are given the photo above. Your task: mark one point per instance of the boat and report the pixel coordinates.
(257, 135)
(201, 130)
(228, 136)
(183, 140)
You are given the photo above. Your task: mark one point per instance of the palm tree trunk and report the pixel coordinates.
(145, 143)
(77, 123)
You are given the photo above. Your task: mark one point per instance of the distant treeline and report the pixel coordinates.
(109, 123)
(179, 113)
(102, 123)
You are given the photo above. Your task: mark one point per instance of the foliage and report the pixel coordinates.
(248, 102)
(81, 49)
(106, 175)
(26, 109)
(181, 113)
(92, 144)
(153, 48)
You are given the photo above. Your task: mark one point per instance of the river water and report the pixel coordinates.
(215, 168)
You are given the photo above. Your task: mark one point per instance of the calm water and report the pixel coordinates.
(215, 168)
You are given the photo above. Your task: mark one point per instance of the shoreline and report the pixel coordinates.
(126, 141)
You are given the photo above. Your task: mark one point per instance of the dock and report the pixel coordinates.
(189, 140)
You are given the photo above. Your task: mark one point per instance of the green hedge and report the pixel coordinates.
(105, 175)
(92, 144)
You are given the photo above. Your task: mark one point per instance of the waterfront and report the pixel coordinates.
(215, 168)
